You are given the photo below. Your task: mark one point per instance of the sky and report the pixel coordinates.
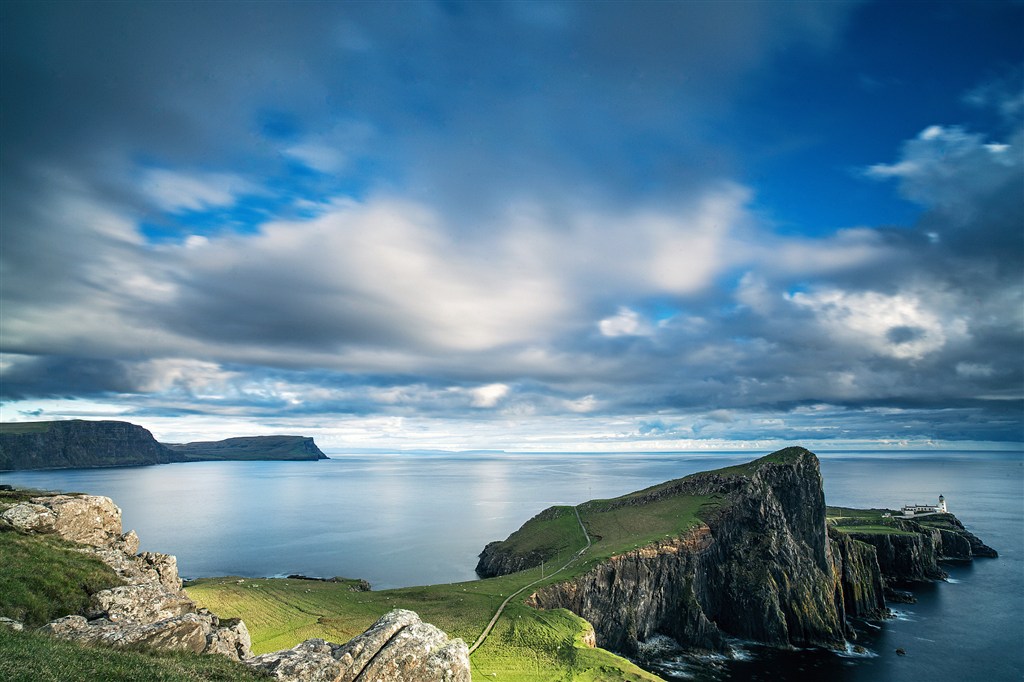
(529, 226)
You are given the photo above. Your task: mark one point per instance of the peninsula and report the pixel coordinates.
(78, 444)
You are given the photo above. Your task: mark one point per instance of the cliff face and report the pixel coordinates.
(79, 444)
(860, 578)
(761, 564)
(297, 448)
(760, 568)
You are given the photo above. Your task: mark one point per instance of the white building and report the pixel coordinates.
(912, 509)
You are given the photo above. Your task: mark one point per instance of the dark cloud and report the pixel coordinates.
(486, 212)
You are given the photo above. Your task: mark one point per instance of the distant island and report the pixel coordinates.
(81, 444)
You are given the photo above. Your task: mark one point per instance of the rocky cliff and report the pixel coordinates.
(150, 610)
(758, 567)
(78, 444)
(761, 563)
(297, 448)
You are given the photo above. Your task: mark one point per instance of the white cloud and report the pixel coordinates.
(974, 370)
(899, 326)
(488, 396)
(176, 191)
(626, 322)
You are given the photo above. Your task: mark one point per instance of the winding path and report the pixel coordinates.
(497, 614)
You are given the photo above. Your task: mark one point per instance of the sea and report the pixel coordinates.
(414, 519)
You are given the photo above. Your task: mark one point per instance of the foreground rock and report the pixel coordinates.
(151, 610)
(397, 647)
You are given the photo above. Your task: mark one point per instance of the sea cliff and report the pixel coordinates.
(80, 444)
(762, 561)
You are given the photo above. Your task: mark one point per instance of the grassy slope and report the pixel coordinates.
(24, 427)
(31, 657)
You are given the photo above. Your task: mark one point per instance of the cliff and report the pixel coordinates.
(78, 444)
(759, 558)
(290, 448)
(756, 564)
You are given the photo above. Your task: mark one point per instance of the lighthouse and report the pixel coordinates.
(942, 505)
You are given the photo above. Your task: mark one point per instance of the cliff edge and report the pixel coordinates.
(745, 552)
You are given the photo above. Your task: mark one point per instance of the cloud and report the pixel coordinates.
(176, 192)
(899, 326)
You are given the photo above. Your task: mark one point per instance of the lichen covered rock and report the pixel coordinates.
(397, 648)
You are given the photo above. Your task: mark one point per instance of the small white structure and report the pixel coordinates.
(919, 509)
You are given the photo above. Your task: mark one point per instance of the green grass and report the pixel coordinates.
(839, 513)
(527, 645)
(872, 529)
(24, 427)
(43, 577)
(31, 657)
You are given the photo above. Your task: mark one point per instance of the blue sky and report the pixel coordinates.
(522, 226)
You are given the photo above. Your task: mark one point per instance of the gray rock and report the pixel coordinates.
(166, 567)
(29, 517)
(311, 661)
(186, 632)
(231, 639)
(128, 543)
(397, 648)
(144, 603)
(11, 624)
(86, 519)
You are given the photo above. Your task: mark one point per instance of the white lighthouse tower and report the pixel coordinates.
(942, 505)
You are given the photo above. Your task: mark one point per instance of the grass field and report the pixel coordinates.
(24, 427)
(31, 657)
(874, 530)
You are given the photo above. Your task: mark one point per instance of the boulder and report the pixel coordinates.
(397, 648)
(85, 519)
(143, 603)
(11, 624)
(187, 632)
(165, 566)
(30, 517)
(231, 639)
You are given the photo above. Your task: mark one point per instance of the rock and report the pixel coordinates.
(311, 661)
(166, 567)
(128, 543)
(231, 639)
(397, 648)
(142, 603)
(187, 632)
(30, 518)
(901, 652)
(11, 624)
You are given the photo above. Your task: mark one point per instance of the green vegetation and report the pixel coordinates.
(840, 513)
(527, 645)
(873, 529)
(24, 427)
(43, 577)
(31, 657)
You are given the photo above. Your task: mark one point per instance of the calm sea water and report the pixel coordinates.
(400, 520)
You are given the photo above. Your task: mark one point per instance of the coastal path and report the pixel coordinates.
(497, 614)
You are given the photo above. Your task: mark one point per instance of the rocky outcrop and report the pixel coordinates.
(78, 444)
(860, 579)
(397, 647)
(904, 557)
(151, 610)
(759, 568)
(289, 448)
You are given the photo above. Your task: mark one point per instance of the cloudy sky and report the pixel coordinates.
(523, 226)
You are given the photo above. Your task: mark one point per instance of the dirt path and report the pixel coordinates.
(497, 614)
